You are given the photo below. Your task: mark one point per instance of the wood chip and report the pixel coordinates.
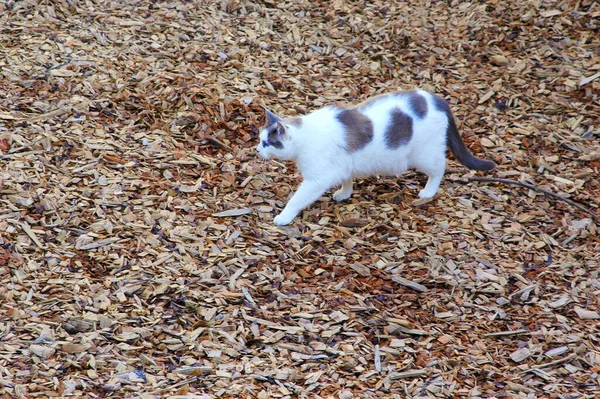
(42, 351)
(410, 284)
(589, 79)
(586, 314)
(553, 363)
(355, 222)
(499, 60)
(377, 358)
(233, 212)
(486, 96)
(557, 351)
(407, 374)
(27, 229)
(520, 354)
(361, 269)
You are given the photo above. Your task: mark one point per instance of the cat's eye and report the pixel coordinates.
(265, 143)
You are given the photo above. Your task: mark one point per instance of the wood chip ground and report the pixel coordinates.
(138, 255)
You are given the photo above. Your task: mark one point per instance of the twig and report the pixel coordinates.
(506, 333)
(535, 188)
(552, 363)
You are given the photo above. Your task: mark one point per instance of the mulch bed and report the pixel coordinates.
(138, 255)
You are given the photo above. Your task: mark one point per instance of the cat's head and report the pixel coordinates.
(276, 137)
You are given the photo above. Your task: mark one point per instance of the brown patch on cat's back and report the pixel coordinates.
(358, 128)
(418, 103)
(400, 129)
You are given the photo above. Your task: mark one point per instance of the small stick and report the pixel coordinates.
(552, 363)
(535, 188)
(506, 333)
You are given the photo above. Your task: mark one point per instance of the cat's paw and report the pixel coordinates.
(282, 220)
(426, 194)
(341, 195)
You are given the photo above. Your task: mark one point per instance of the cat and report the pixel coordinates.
(385, 135)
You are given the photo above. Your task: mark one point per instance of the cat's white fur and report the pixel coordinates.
(318, 143)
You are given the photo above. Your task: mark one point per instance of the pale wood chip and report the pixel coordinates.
(407, 374)
(361, 269)
(586, 314)
(233, 212)
(520, 354)
(410, 284)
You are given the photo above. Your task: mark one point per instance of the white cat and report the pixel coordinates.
(385, 135)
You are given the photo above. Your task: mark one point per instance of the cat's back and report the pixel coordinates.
(408, 116)
(386, 122)
(322, 125)
(415, 103)
(322, 115)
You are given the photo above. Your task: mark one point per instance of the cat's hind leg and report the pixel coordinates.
(432, 186)
(344, 192)
(435, 173)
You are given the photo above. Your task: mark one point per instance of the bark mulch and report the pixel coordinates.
(138, 255)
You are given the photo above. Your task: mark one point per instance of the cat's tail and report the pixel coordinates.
(461, 152)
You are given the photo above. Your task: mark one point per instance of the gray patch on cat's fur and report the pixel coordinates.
(277, 130)
(274, 136)
(359, 129)
(418, 103)
(400, 130)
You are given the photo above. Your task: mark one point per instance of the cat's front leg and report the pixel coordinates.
(344, 192)
(308, 192)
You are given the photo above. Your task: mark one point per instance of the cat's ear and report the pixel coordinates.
(281, 129)
(271, 117)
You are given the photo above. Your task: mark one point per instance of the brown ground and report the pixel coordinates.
(138, 254)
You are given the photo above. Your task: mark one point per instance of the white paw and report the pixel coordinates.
(340, 195)
(426, 194)
(282, 220)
